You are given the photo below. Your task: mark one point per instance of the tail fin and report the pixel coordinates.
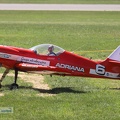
(115, 55)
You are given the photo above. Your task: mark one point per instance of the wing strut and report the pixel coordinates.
(14, 85)
(3, 76)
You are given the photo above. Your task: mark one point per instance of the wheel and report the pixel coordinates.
(14, 86)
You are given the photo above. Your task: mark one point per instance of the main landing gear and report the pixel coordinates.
(14, 85)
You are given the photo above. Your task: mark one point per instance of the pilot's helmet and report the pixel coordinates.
(51, 47)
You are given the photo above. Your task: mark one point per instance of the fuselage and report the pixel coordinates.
(67, 62)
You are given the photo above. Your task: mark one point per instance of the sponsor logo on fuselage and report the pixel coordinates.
(24, 59)
(3, 55)
(35, 61)
(70, 67)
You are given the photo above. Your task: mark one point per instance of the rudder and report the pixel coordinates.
(115, 55)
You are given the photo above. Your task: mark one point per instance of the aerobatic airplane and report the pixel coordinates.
(53, 60)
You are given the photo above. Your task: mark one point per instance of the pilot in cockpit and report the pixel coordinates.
(50, 50)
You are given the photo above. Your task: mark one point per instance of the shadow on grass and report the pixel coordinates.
(114, 88)
(57, 90)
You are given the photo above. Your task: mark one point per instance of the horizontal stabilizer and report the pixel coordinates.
(114, 62)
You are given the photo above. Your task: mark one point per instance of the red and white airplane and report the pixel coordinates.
(53, 60)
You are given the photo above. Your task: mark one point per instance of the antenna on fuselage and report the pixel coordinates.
(78, 48)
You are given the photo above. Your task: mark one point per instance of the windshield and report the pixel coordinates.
(47, 49)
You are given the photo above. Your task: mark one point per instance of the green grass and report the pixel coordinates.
(74, 31)
(76, 98)
(63, 1)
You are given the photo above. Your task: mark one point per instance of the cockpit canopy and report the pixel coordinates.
(43, 49)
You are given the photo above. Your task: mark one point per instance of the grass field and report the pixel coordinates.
(63, 1)
(74, 98)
